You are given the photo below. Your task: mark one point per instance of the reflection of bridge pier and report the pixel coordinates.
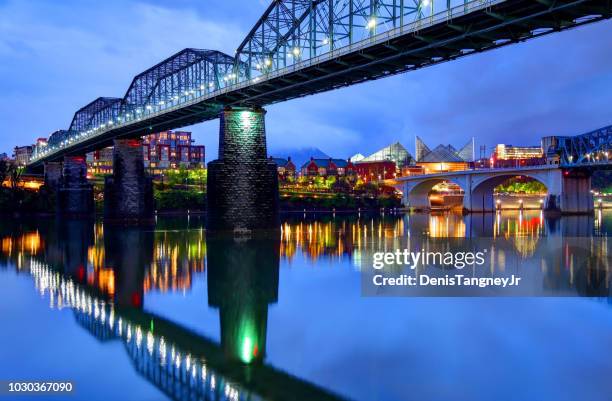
(184, 365)
(242, 182)
(129, 252)
(67, 244)
(242, 282)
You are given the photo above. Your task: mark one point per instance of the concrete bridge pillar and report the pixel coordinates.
(242, 188)
(128, 193)
(576, 196)
(75, 193)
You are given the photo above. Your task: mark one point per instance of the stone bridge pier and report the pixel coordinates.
(67, 181)
(128, 193)
(242, 187)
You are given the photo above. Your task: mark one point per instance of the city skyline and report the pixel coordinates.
(544, 91)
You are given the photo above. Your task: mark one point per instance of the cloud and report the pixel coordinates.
(51, 66)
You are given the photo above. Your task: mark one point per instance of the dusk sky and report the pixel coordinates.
(56, 56)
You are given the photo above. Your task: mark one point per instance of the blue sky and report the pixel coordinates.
(56, 56)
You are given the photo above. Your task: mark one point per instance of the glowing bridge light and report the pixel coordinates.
(247, 347)
(296, 51)
(326, 41)
(268, 62)
(371, 23)
(149, 107)
(426, 3)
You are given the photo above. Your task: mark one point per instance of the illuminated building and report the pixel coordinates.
(443, 158)
(378, 170)
(357, 157)
(509, 152)
(513, 156)
(285, 167)
(22, 154)
(327, 167)
(162, 151)
(172, 149)
(394, 152)
(411, 170)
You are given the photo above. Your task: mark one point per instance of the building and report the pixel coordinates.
(505, 156)
(171, 150)
(411, 170)
(327, 167)
(100, 161)
(376, 170)
(396, 153)
(443, 158)
(509, 152)
(357, 157)
(22, 154)
(285, 167)
(162, 151)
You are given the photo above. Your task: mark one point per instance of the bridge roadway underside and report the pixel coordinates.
(509, 22)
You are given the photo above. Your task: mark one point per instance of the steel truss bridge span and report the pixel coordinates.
(303, 47)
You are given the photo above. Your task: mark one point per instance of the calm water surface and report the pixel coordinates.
(167, 312)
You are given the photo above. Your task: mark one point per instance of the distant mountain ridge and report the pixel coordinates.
(299, 156)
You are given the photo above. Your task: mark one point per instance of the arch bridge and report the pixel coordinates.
(568, 189)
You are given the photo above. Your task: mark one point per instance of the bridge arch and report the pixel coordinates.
(417, 195)
(481, 198)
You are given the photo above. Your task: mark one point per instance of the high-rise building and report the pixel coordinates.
(172, 150)
(162, 151)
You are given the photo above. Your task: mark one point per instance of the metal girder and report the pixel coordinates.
(100, 111)
(183, 74)
(592, 147)
(295, 30)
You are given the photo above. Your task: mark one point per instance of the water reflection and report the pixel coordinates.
(104, 274)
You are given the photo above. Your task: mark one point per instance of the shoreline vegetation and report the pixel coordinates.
(184, 192)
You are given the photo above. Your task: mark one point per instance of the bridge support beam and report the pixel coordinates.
(74, 192)
(242, 187)
(128, 193)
